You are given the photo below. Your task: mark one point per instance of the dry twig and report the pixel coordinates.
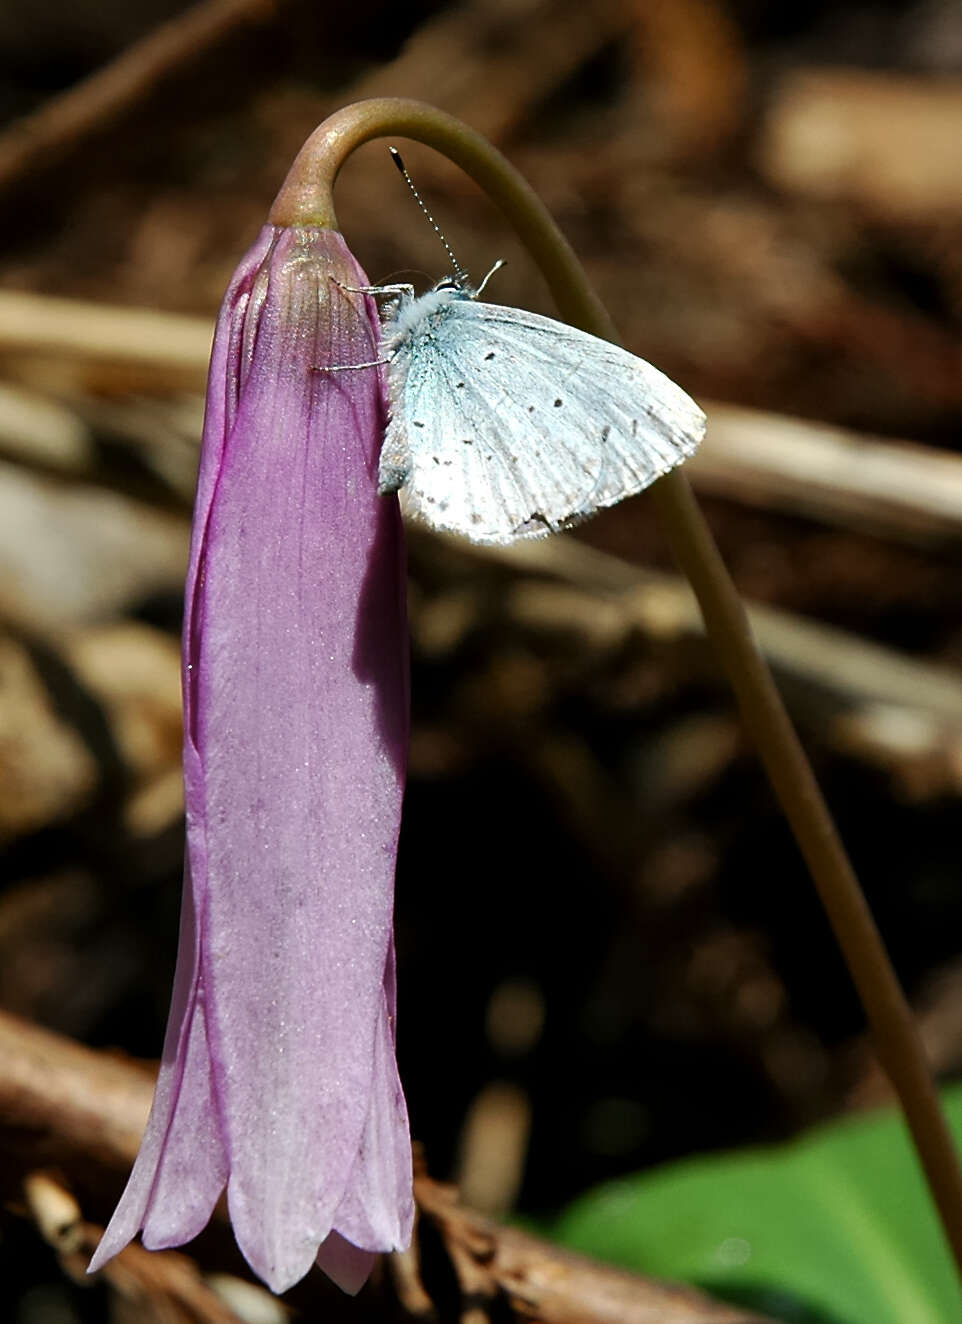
(170, 349)
(894, 488)
(69, 118)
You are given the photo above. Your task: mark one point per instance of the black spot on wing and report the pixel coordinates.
(489, 356)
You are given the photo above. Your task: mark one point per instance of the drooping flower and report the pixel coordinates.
(278, 1077)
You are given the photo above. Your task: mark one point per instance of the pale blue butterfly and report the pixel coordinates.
(505, 424)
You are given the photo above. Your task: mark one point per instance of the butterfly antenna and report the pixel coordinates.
(460, 274)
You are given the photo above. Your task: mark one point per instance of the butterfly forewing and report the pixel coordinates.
(505, 424)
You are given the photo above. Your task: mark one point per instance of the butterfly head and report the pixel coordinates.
(410, 314)
(458, 286)
(461, 287)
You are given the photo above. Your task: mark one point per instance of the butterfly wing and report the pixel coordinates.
(505, 424)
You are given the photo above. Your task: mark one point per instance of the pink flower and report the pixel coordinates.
(278, 1076)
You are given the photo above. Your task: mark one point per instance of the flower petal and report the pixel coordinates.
(344, 1264)
(181, 1167)
(184, 1079)
(377, 1211)
(300, 723)
(279, 1073)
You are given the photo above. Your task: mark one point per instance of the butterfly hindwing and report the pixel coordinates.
(506, 424)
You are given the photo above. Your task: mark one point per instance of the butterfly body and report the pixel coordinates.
(505, 424)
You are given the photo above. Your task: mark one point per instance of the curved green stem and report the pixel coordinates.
(306, 199)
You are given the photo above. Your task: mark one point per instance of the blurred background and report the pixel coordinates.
(610, 954)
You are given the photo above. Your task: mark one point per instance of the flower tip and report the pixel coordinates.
(101, 1255)
(345, 1264)
(120, 1231)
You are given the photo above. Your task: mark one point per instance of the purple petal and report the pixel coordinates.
(345, 1264)
(378, 1207)
(192, 1189)
(300, 692)
(194, 1167)
(182, 1153)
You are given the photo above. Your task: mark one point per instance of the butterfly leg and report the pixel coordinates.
(350, 367)
(395, 290)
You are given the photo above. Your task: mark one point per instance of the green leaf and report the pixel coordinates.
(840, 1221)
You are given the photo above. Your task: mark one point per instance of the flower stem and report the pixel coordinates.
(306, 199)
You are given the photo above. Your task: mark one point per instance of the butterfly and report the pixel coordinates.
(504, 424)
